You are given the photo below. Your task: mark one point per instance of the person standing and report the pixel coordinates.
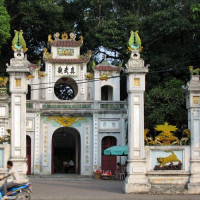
(12, 172)
(71, 166)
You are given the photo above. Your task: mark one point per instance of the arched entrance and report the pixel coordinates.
(66, 151)
(28, 154)
(108, 162)
(107, 93)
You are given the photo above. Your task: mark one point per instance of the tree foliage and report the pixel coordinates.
(4, 24)
(169, 31)
(166, 103)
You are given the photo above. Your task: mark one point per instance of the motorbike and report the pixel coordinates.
(19, 192)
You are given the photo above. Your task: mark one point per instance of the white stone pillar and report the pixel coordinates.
(37, 144)
(95, 142)
(136, 181)
(18, 70)
(87, 150)
(193, 106)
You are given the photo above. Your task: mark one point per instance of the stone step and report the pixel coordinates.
(61, 177)
(168, 189)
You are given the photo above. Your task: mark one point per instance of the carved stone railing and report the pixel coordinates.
(75, 105)
(112, 105)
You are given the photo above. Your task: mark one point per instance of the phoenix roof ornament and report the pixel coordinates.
(134, 42)
(18, 42)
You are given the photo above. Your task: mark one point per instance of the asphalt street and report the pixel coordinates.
(76, 188)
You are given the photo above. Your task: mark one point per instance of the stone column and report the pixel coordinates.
(193, 106)
(18, 70)
(95, 142)
(37, 144)
(136, 181)
(4, 110)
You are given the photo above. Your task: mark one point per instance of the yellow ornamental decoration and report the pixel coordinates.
(3, 81)
(64, 36)
(41, 74)
(50, 38)
(187, 132)
(165, 128)
(104, 76)
(169, 159)
(46, 54)
(89, 76)
(166, 137)
(66, 121)
(30, 76)
(190, 68)
(81, 38)
(194, 71)
(148, 140)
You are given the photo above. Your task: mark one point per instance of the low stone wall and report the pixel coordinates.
(5, 157)
(168, 189)
(168, 181)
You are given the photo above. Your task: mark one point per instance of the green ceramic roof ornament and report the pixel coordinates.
(18, 42)
(134, 42)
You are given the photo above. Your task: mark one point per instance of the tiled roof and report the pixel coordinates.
(107, 68)
(66, 43)
(34, 66)
(71, 61)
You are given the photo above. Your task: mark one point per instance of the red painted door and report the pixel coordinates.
(108, 162)
(28, 154)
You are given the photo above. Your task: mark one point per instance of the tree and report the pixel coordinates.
(4, 25)
(169, 31)
(38, 19)
(195, 8)
(166, 103)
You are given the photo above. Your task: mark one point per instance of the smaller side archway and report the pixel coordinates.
(108, 162)
(28, 154)
(28, 95)
(106, 93)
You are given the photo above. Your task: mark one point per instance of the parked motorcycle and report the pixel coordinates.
(19, 192)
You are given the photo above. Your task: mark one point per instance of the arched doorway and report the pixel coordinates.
(28, 154)
(108, 162)
(107, 93)
(28, 95)
(66, 151)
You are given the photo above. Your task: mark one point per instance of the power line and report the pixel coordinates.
(88, 81)
(158, 70)
(98, 79)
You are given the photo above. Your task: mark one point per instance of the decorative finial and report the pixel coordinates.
(134, 42)
(194, 71)
(18, 42)
(64, 36)
(50, 38)
(72, 36)
(56, 35)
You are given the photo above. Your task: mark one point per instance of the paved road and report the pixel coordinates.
(90, 189)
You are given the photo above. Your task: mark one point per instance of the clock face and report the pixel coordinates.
(64, 91)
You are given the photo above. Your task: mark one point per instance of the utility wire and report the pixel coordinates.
(82, 82)
(158, 70)
(97, 79)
